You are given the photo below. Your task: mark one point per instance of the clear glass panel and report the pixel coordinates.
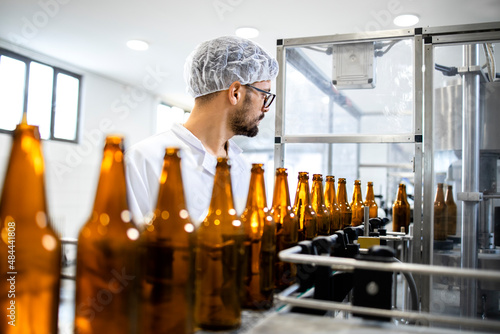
(166, 116)
(377, 101)
(447, 146)
(12, 75)
(448, 168)
(386, 165)
(40, 97)
(66, 115)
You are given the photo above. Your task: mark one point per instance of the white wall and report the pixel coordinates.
(72, 170)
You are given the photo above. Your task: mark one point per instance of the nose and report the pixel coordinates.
(265, 109)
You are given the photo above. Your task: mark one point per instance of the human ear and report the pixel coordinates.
(235, 92)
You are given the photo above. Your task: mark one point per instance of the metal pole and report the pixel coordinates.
(347, 264)
(470, 176)
(418, 223)
(422, 317)
(279, 148)
(425, 232)
(366, 219)
(330, 130)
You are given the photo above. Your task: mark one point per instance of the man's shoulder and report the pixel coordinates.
(154, 146)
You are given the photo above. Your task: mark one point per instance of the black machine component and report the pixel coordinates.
(374, 288)
(371, 288)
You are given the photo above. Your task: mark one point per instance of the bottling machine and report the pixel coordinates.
(418, 106)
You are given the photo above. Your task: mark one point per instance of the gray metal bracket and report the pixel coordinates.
(470, 196)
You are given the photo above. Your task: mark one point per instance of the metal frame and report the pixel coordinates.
(284, 55)
(469, 36)
(347, 264)
(281, 139)
(403, 138)
(428, 167)
(56, 70)
(424, 41)
(418, 98)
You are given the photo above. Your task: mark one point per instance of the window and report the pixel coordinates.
(50, 97)
(166, 116)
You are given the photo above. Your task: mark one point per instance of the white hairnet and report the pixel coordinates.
(215, 64)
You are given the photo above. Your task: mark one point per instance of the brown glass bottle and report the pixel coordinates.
(260, 245)
(357, 205)
(451, 212)
(29, 248)
(287, 229)
(303, 209)
(440, 232)
(400, 211)
(318, 205)
(219, 255)
(106, 271)
(370, 200)
(344, 206)
(408, 207)
(166, 257)
(331, 203)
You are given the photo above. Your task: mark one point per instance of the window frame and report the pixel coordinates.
(56, 70)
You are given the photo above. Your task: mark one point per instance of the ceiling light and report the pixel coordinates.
(247, 32)
(138, 45)
(406, 20)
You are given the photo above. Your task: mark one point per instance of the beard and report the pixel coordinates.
(241, 124)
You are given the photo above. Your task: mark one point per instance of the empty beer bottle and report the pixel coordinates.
(345, 208)
(29, 248)
(166, 250)
(318, 205)
(331, 203)
(219, 254)
(400, 211)
(370, 200)
(106, 271)
(451, 212)
(440, 232)
(287, 229)
(260, 245)
(303, 209)
(357, 205)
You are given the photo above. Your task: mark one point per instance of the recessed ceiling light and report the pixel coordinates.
(247, 32)
(138, 45)
(406, 20)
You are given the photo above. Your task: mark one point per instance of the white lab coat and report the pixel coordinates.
(144, 163)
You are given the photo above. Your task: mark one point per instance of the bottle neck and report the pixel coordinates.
(317, 193)
(401, 194)
(303, 193)
(281, 194)
(171, 191)
(342, 193)
(330, 195)
(439, 195)
(111, 194)
(25, 170)
(449, 195)
(370, 196)
(356, 195)
(257, 192)
(222, 196)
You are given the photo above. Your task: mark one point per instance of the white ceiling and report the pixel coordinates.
(91, 34)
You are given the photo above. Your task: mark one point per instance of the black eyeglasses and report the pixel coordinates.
(268, 99)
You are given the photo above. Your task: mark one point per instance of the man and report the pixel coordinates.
(230, 79)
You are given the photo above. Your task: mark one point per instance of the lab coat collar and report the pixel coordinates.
(209, 161)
